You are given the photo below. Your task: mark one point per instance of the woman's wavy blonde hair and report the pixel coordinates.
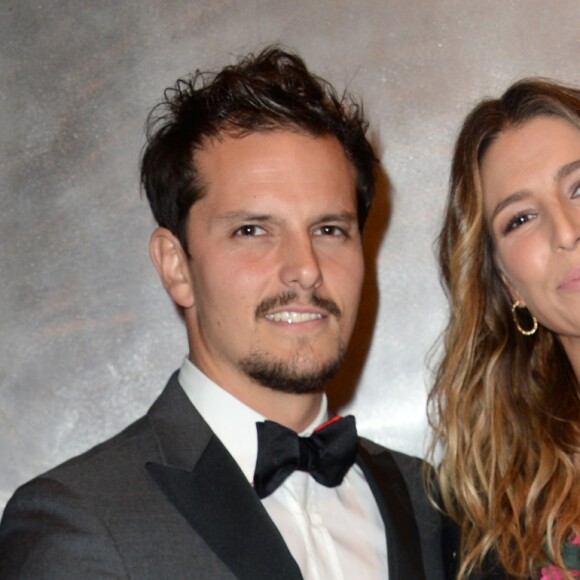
(504, 407)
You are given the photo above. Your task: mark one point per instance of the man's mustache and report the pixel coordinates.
(289, 297)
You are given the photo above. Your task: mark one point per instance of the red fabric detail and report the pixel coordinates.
(323, 425)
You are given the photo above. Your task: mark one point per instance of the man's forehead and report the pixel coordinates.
(249, 141)
(266, 153)
(266, 172)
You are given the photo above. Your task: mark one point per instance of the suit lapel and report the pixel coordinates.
(220, 505)
(392, 496)
(208, 488)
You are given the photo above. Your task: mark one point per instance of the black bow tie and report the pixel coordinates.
(327, 454)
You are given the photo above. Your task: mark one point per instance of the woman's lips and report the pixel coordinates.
(571, 281)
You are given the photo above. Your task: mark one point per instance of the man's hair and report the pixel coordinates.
(271, 91)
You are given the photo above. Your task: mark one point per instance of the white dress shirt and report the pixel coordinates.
(332, 533)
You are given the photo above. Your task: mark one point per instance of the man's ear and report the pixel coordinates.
(171, 263)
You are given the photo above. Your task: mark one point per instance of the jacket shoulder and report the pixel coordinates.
(438, 534)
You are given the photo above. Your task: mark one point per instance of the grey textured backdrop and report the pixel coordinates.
(88, 336)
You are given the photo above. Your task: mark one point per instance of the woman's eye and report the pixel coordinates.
(250, 230)
(517, 221)
(576, 190)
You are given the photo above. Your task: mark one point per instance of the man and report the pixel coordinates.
(260, 179)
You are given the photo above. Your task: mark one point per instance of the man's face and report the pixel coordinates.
(276, 262)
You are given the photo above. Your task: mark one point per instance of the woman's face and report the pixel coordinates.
(531, 191)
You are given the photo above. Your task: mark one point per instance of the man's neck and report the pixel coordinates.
(293, 410)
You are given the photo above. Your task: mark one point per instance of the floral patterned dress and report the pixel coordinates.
(571, 556)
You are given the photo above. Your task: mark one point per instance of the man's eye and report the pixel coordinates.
(250, 230)
(330, 230)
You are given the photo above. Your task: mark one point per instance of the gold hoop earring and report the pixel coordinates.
(517, 322)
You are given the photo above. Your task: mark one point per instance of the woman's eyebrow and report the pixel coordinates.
(565, 170)
(516, 196)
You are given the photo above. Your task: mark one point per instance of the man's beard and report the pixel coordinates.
(297, 374)
(288, 376)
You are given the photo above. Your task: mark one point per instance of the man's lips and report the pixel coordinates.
(291, 316)
(288, 308)
(571, 280)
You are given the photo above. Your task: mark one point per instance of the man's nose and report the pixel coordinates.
(300, 265)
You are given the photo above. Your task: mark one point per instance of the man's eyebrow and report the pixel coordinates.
(245, 216)
(565, 170)
(516, 196)
(344, 216)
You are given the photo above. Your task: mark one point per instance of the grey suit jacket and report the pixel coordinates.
(164, 499)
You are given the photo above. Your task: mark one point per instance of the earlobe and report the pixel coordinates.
(514, 294)
(170, 261)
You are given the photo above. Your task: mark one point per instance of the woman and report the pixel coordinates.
(506, 400)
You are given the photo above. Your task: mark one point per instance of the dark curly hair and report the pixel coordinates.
(270, 91)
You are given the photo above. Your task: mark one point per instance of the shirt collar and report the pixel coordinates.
(233, 422)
